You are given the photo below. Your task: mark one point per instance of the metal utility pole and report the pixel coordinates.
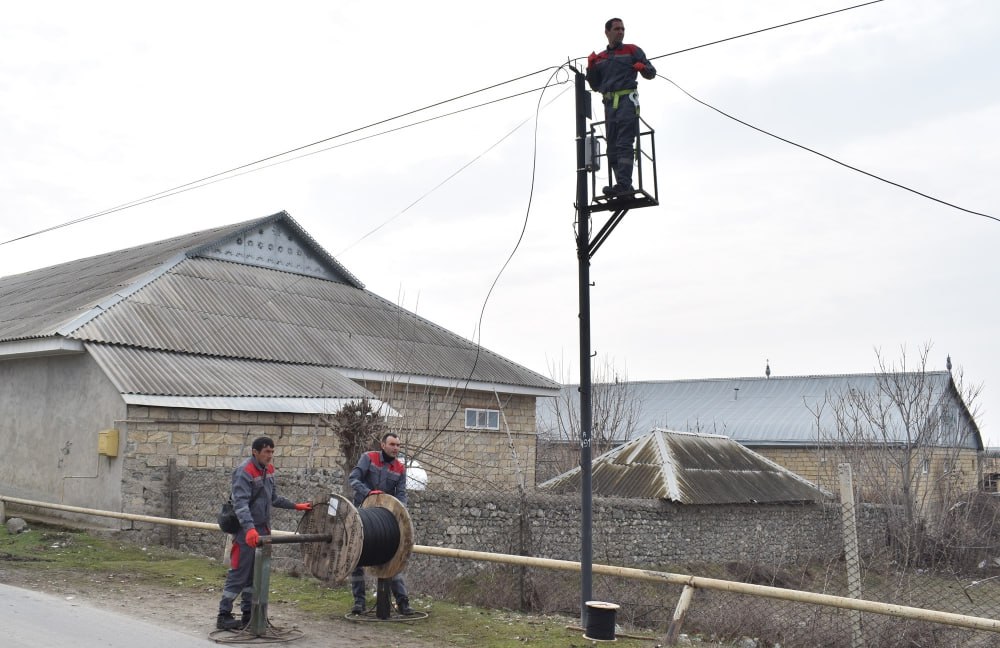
(586, 415)
(617, 205)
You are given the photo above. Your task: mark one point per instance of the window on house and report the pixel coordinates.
(482, 419)
(925, 467)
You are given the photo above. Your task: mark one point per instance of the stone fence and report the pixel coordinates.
(641, 533)
(634, 533)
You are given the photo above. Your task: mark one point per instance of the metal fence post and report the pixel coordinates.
(850, 527)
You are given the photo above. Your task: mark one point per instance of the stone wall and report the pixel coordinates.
(632, 533)
(639, 532)
(947, 474)
(432, 429)
(204, 446)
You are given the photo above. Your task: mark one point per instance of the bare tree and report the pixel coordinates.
(615, 412)
(359, 427)
(908, 433)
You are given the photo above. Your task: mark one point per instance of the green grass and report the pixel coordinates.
(49, 549)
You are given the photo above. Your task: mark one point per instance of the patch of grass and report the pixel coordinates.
(59, 549)
(54, 549)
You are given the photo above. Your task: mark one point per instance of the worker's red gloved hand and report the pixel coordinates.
(252, 538)
(591, 59)
(375, 492)
(638, 66)
(304, 506)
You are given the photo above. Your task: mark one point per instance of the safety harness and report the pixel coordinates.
(614, 96)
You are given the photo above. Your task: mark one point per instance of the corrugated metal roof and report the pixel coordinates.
(138, 371)
(40, 302)
(689, 468)
(243, 302)
(753, 411)
(209, 307)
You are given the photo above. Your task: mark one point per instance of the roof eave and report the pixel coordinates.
(34, 347)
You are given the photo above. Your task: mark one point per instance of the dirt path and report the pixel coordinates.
(193, 611)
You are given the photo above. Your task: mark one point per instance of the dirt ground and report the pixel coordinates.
(193, 612)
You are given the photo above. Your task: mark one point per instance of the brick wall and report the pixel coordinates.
(949, 472)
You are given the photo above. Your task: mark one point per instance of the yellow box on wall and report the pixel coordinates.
(107, 442)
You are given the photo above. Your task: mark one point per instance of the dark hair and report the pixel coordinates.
(389, 434)
(607, 25)
(262, 442)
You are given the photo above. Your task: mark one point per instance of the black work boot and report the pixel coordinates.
(245, 619)
(359, 606)
(403, 605)
(226, 621)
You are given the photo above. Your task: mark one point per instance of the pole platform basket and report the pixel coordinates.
(646, 192)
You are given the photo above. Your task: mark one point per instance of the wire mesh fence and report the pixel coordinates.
(799, 548)
(953, 566)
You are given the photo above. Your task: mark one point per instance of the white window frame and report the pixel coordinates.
(483, 419)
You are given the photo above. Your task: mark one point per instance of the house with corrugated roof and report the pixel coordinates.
(811, 424)
(174, 355)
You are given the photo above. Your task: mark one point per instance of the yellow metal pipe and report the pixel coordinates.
(207, 526)
(829, 600)
(863, 605)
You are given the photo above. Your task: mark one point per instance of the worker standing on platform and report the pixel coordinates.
(613, 74)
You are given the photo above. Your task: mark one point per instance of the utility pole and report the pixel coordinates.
(586, 412)
(586, 247)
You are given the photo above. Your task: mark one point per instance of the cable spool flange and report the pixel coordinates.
(332, 562)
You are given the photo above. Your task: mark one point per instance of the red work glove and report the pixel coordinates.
(304, 506)
(252, 537)
(591, 59)
(375, 492)
(638, 66)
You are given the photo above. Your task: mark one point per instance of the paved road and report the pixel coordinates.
(29, 619)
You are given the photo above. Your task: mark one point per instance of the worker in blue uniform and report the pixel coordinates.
(613, 73)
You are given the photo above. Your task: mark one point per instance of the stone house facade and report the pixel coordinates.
(133, 376)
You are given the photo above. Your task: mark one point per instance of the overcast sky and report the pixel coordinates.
(758, 251)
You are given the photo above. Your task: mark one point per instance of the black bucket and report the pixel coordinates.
(600, 621)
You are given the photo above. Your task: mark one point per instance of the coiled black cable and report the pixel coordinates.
(381, 536)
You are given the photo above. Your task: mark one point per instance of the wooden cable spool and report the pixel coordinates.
(381, 540)
(397, 561)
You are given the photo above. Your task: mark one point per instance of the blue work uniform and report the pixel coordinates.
(254, 495)
(376, 471)
(612, 74)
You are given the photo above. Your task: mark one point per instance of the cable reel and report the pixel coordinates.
(378, 536)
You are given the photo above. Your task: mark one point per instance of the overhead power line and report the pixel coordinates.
(827, 157)
(761, 31)
(251, 167)
(246, 168)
